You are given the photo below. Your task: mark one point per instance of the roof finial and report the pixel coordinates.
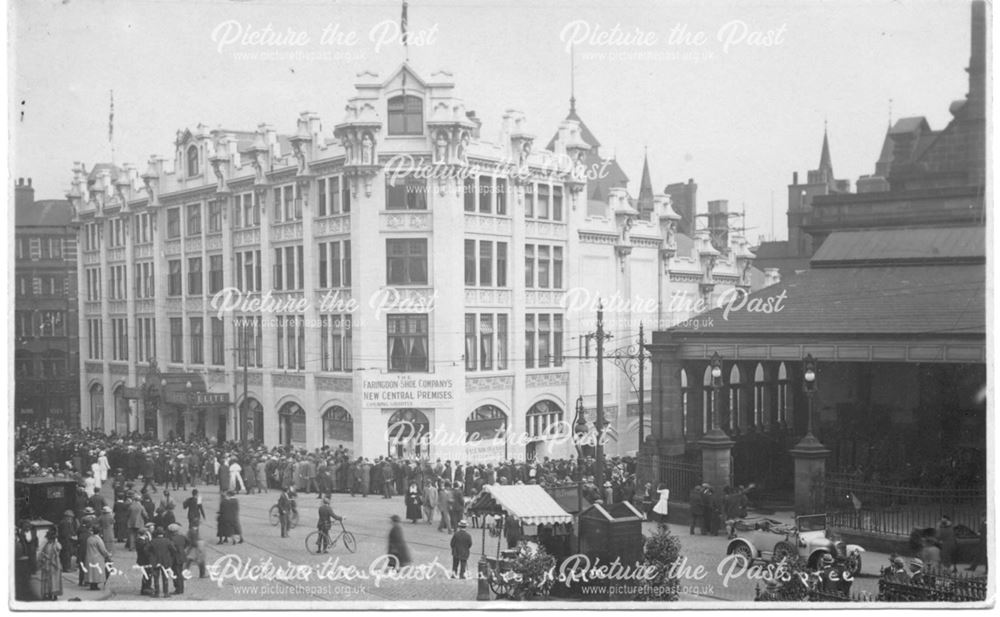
(572, 79)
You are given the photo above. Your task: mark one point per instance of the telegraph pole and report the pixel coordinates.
(599, 423)
(642, 388)
(246, 379)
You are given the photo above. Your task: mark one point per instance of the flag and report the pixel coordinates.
(402, 25)
(111, 118)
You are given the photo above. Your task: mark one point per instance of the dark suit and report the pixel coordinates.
(461, 544)
(162, 557)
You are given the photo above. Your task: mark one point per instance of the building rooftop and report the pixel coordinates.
(899, 245)
(45, 213)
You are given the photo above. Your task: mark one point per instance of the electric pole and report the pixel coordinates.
(642, 388)
(599, 422)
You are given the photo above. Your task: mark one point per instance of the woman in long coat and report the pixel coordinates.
(397, 545)
(50, 567)
(413, 503)
(107, 522)
(97, 558)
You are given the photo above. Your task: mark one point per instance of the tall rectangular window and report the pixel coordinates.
(557, 267)
(214, 216)
(335, 343)
(336, 265)
(280, 333)
(406, 115)
(485, 263)
(529, 265)
(485, 194)
(215, 273)
(557, 340)
(197, 341)
(279, 269)
(194, 220)
(218, 342)
(469, 190)
(470, 341)
(334, 196)
(176, 339)
(529, 341)
(174, 223)
(194, 276)
(501, 196)
(544, 340)
(345, 196)
(557, 203)
(501, 342)
(486, 342)
(174, 278)
(543, 266)
(321, 197)
(324, 263)
(501, 264)
(406, 261)
(470, 263)
(347, 263)
(407, 342)
(542, 210)
(529, 201)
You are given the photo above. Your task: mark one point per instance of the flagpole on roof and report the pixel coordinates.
(402, 29)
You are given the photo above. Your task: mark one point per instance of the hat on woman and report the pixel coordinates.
(462, 524)
(395, 518)
(827, 559)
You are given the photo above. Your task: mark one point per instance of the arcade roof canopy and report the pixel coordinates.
(529, 503)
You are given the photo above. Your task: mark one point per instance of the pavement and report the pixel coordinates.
(268, 568)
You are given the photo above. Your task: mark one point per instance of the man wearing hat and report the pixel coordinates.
(181, 543)
(67, 539)
(135, 522)
(326, 518)
(696, 501)
(162, 557)
(97, 501)
(142, 540)
(917, 571)
(461, 544)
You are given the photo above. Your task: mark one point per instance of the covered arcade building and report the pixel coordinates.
(893, 323)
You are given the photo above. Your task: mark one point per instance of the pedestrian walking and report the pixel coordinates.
(662, 507)
(195, 551)
(162, 556)
(696, 501)
(106, 522)
(96, 558)
(49, 565)
(236, 483)
(461, 544)
(181, 543)
(445, 497)
(195, 509)
(229, 519)
(398, 550)
(67, 537)
(413, 503)
(429, 499)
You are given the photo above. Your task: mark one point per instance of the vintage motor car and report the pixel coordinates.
(771, 541)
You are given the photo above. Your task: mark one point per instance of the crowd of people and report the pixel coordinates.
(139, 467)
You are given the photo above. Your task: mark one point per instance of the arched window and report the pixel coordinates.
(736, 419)
(254, 418)
(782, 394)
(338, 428)
(97, 407)
(121, 411)
(708, 400)
(406, 115)
(759, 418)
(407, 432)
(292, 425)
(684, 403)
(193, 168)
(540, 417)
(485, 429)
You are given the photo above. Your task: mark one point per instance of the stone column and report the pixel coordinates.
(810, 469)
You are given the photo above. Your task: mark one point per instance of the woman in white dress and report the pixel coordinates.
(661, 506)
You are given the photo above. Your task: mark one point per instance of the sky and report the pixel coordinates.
(733, 95)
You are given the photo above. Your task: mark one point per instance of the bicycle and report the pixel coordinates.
(275, 519)
(320, 540)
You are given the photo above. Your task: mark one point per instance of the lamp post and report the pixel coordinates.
(716, 465)
(716, 386)
(579, 428)
(809, 385)
(809, 453)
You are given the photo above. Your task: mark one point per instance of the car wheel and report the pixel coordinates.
(783, 550)
(744, 551)
(854, 565)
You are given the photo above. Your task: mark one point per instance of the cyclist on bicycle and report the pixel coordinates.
(326, 518)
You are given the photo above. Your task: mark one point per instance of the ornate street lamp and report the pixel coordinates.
(716, 386)
(809, 386)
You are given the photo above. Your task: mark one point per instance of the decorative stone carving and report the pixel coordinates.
(487, 384)
(290, 381)
(543, 380)
(334, 384)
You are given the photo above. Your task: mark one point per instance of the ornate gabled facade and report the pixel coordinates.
(393, 272)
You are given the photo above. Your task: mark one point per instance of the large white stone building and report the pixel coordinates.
(400, 266)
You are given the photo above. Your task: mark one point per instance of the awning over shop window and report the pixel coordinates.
(528, 502)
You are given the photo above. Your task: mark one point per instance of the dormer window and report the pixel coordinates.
(193, 169)
(406, 115)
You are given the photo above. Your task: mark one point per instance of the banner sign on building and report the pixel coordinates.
(406, 390)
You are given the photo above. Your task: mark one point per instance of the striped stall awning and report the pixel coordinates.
(529, 503)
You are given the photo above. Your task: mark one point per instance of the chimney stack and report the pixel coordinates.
(24, 194)
(977, 62)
